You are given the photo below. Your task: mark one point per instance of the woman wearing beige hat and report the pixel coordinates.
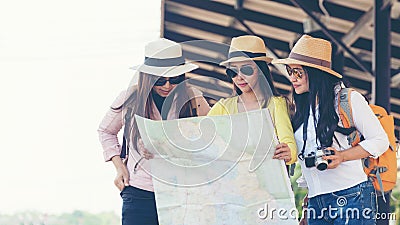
(160, 76)
(247, 65)
(338, 189)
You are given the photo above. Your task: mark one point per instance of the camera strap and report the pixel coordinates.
(305, 125)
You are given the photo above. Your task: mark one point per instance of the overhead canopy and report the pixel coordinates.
(280, 23)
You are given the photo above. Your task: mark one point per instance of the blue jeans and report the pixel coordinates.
(383, 209)
(139, 207)
(352, 206)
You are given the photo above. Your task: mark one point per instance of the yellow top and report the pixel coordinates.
(279, 114)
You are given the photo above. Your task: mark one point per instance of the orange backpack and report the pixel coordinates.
(383, 170)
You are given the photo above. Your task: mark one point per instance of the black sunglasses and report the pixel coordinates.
(172, 80)
(245, 70)
(297, 72)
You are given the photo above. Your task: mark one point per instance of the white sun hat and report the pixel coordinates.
(164, 58)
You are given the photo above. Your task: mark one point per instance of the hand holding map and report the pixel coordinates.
(216, 170)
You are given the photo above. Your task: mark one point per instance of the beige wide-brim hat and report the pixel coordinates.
(247, 47)
(312, 52)
(164, 58)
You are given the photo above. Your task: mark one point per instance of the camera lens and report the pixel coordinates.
(322, 166)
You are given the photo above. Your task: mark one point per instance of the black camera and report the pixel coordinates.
(315, 158)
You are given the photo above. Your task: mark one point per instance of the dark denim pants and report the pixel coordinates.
(352, 206)
(139, 207)
(384, 209)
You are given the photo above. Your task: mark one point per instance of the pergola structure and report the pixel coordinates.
(365, 36)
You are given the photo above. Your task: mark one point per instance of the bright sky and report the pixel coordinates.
(62, 63)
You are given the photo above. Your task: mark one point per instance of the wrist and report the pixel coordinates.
(117, 161)
(343, 155)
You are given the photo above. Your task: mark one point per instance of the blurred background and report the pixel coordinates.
(62, 64)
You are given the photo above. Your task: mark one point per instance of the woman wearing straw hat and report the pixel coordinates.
(160, 76)
(339, 191)
(247, 65)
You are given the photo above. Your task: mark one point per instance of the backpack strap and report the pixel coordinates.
(377, 172)
(125, 143)
(193, 107)
(193, 103)
(292, 167)
(346, 116)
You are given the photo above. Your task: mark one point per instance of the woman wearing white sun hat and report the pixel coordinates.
(160, 76)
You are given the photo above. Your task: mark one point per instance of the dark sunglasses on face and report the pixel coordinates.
(246, 70)
(296, 72)
(172, 80)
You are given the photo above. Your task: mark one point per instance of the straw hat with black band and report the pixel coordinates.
(312, 52)
(247, 47)
(164, 58)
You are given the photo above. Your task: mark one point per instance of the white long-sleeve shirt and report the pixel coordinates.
(349, 173)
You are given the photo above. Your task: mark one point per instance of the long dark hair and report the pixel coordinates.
(140, 102)
(265, 71)
(321, 90)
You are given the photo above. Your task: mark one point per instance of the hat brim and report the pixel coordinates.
(243, 58)
(294, 61)
(172, 71)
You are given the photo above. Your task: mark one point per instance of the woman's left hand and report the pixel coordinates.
(337, 158)
(282, 151)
